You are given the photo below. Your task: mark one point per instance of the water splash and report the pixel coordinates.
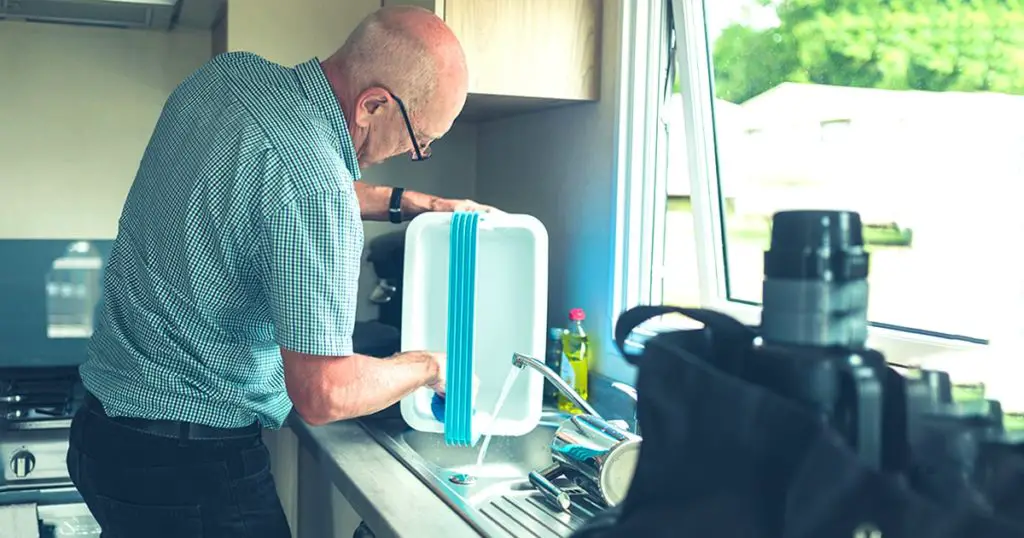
(510, 379)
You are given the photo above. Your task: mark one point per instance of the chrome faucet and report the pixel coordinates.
(587, 447)
(519, 360)
(631, 392)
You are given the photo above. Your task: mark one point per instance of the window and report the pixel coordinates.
(910, 114)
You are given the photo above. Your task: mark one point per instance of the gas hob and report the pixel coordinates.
(36, 406)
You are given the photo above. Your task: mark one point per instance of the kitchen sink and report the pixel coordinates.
(495, 498)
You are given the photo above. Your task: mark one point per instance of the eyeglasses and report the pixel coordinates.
(421, 153)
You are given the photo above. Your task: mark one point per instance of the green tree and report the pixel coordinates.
(938, 45)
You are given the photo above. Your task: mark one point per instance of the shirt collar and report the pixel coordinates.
(315, 84)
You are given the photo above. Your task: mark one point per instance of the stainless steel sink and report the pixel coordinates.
(495, 497)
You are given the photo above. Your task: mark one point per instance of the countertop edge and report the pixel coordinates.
(392, 501)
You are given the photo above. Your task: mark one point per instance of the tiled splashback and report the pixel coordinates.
(49, 293)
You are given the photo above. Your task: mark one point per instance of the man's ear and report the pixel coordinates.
(370, 103)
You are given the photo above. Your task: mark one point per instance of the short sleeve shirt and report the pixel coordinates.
(241, 234)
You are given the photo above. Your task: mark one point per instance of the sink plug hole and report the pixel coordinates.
(462, 479)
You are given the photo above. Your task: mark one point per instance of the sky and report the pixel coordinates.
(722, 13)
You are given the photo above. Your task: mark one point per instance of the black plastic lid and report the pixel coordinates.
(816, 245)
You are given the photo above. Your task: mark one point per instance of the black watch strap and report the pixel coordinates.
(395, 207)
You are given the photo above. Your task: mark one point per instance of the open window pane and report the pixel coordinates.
(910, 113)
(681, 283)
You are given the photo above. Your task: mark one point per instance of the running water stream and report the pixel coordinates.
(510, 379)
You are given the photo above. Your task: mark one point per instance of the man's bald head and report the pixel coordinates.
(406, 51)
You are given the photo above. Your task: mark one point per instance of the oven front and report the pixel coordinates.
(60, 511)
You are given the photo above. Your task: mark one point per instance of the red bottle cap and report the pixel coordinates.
(577, 314)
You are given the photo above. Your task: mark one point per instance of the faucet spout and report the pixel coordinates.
(521, 361)
(631, 392)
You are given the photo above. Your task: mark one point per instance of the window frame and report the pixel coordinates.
(641, 159)
(643, 167)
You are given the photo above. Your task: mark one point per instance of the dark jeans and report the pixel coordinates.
(140, 485)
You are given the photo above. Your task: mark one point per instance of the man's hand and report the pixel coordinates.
(326, 388)
(439, 382)
(375, 201)
(445, 205)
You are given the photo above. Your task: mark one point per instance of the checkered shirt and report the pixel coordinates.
(241, 233)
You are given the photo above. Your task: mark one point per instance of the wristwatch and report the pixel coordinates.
(395, 208)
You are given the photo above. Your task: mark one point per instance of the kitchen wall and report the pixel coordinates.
(560, 167)
(293, 31)
(79, 105)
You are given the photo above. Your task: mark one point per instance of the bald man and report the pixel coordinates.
(230, 292)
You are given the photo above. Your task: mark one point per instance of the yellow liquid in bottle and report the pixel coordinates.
(576, 354)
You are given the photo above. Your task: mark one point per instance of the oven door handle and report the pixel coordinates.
(60, 487)
(68, 489)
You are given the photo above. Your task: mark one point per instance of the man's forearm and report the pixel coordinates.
(358, 385)
(375, 200)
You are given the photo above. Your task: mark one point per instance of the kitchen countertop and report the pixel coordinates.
(392, 501)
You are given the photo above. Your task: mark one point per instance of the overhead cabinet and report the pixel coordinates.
(524, 55)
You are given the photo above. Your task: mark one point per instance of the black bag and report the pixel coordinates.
(724, 457)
